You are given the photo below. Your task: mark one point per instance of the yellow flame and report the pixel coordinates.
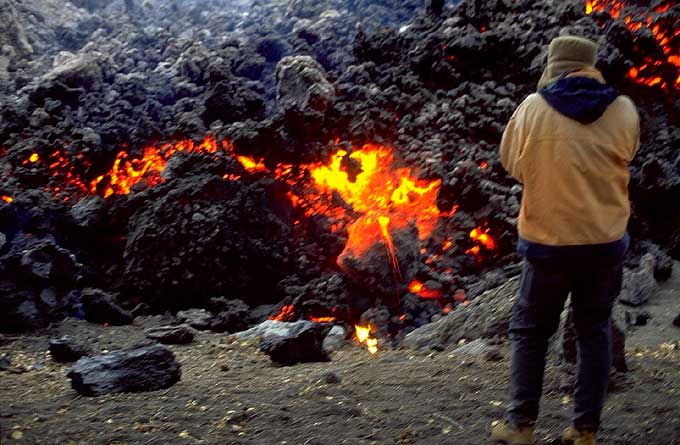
(363, 334)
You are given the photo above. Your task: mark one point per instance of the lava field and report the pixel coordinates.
(334, 161)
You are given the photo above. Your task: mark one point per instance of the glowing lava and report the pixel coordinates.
(418, 288)
(666, 34)
(287, 314)
(363, 335)
(7, 199)
(386, 197)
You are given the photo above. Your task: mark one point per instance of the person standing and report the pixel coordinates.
(570, 145)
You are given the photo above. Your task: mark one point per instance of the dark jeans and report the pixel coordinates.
(594, 284)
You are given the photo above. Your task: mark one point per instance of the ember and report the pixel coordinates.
(363, 335)
(287, 314)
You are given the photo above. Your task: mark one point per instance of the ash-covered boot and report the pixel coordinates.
(572, 436)
(506, 433)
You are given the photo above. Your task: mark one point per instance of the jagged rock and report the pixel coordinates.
(89, 211)
(12, 32)
(272, 328)
(232, 315)
(487, 316)
(301, 85)
(100, 307)
(373, 270)
(138, 369)
(172, 335)
(302, 344)
(44, 260)
(66, 349)
(75, 71)
(639, 285)
(196, 318)
(335, 338)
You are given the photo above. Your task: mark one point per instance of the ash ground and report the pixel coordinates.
(230, 393)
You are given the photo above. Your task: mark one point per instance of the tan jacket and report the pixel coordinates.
(575, 176)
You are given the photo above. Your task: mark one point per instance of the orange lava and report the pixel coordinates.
(7, 199)
(322, 319)
(666, 34)
(483, 237)
(363, 335)
(287, 313)
(418, 288)
(386, 197)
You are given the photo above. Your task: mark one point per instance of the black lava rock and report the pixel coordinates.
(303, 344)
(676, 321)
(100, 307)
(172, 335)
(65, 349)
(138, 369)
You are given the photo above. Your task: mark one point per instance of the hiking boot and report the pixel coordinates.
(572, 436)
(506, 433)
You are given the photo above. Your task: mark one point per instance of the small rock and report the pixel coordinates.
(137, 369)
(303, 344)
(639, 285)
(65, 349)
(100, 307)
(676, 321)
(335, 338)
(330, 377)
(172, 335)
(4, 363)
(196, 318)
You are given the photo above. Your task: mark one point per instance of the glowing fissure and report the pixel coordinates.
(666, 34)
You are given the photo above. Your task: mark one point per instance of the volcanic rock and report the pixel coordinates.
(19, 310)
(196, 318)
(75, 71)
(101, 307)
(12, 33)
(676, 321)
(336, 338)
(272, 328)
(302, 344)
(301, 85)
(172, 335)
(137, 369)
(5, 363)
(232, 315)
(66, 349)
(44, 260)
(485, 317)
(374, 270)
(639, 285)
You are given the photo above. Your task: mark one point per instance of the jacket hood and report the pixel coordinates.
(581, 98)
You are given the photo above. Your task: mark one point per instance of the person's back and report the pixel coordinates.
(570, 145)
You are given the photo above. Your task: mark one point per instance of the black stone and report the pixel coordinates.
(138, 369)
(172, 335)
(303, 344)
(100, 307)
(65, 349)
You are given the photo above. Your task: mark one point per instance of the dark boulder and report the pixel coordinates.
(196, 318)
(231, 315)
(172, 335)
(302, 344)
(66, 349)
(138, 369)
(101, 307)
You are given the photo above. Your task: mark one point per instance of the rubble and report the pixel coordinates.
(137, 369)
(101, 307)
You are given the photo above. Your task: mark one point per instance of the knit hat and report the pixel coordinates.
(567, 54)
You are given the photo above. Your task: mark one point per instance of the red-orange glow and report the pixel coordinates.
(251, 164)
(664, 32)
(386, 198)
(483, 165)
(447, 245)
(34, 157)
(128, 171)
(322, 319)
(418, 288)
(287, 313)
(363, 335)
(483, 237)
(7, 199)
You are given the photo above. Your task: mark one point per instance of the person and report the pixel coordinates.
(569, 144)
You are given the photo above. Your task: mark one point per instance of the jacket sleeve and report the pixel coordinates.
(513, 143)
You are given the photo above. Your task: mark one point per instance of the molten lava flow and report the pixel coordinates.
(251, 164)
(128, 171)
(7, 199)
(287, 313)
(363, 335)
(322, 319)
(483, 237)
(423, 292)
(666, 33)
(385, 197)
